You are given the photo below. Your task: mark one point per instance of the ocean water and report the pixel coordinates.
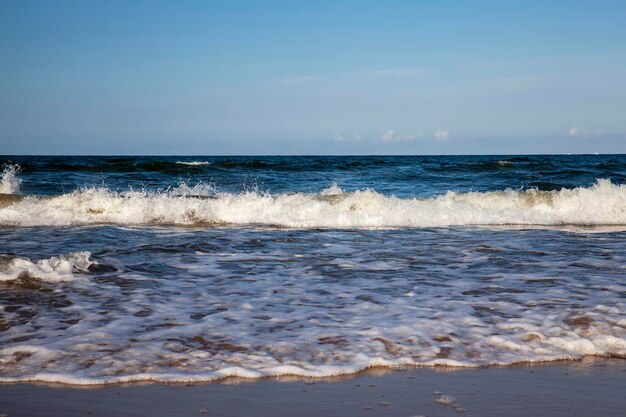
(189, 269)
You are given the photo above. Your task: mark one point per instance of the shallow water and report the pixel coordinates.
(194, 275)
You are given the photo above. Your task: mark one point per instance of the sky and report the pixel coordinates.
(312, 77)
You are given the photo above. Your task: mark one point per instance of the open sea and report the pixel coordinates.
(190, 269)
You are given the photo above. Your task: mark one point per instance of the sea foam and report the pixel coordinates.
(203, 305)
(603, 203)
(56, 268)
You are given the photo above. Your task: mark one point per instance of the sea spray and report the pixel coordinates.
(10, 183)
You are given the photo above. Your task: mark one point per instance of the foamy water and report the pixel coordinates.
(331, 208)
(212, 304)
(57, 268)
(145, 269)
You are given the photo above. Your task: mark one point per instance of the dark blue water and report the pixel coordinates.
(403, 176)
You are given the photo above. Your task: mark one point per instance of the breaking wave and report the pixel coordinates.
(601, 204)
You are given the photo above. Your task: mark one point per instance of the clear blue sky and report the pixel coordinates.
(315, 77)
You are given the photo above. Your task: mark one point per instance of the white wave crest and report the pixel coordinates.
(334, 189)
(10, 183)
(601, 204)
(54, 269)
(193, 163)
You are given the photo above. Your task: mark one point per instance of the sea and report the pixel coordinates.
(201, 268)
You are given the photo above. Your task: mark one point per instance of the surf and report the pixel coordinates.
(601, 204)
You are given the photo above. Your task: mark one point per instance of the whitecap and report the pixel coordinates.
(193, 163)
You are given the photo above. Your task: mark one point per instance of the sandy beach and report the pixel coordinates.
(591, 387)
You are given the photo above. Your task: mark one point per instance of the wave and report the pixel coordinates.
(10, 183)
(237, 372)
(54, 269)
(601, 204)
(569, 348)
(193, 163)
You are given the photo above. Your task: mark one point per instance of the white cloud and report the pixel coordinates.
(585, 133)
(391, 136)
(340, 137)
(388, 135)
(441, 135)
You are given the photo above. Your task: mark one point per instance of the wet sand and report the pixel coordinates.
(592, 387)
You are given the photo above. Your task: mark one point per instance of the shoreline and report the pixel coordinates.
(589, 387)
(374, 370)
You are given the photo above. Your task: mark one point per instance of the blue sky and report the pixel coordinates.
(341, 77)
